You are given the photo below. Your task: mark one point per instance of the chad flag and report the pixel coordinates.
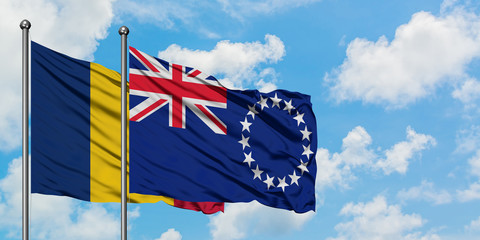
(75, 132)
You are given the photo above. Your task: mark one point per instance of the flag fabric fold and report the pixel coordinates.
(195, 140)
(75, 132)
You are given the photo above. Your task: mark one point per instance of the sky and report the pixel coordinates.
(395, 89)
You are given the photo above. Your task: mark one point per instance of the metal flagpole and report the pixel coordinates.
(123, 31)
(25, 26)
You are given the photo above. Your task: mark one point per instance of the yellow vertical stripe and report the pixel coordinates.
(105, 141)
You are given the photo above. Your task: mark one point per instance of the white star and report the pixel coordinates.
(299, 118)
(246, 125)
(306, 133)
(294, 178)
(252, 111)
(306, 151)
(263, 102)
(303, 166)
(244, 142)
(288, 106)
(269, 182)
(282, 183)
(258, 173)
(248, 158)
(276, 101)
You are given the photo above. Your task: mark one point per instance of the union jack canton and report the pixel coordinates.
(164, 83)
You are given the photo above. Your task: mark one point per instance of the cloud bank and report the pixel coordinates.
(426, 53)
(241, 220)
(170, 234)
(72, 27)
(52, 217)
(234, 64)
(379, 220)
(337, 168)
(426, 192)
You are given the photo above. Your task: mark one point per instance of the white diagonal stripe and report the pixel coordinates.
(205, 118)
(152, 98)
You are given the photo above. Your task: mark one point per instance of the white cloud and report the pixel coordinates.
(238, 63)
(474, 163)
(468, 140)
(170, 234)
(331, 171)
(420, 236)
(473, 192)
(470, 194)
(378, 220)
(397, 157)
(265, 87)
(268, 78)
(241, 220)
(133, 213)
(341, 43)
(73, 221)
(355, 150)
(425, 192)
(242, 9)
(474, 226)
(11, 198)
(447, 5)
(52, 217)
(337, 168)
(162, 13)
(168, 14)
(468, 93)
(426, 52)
(72, 27)
(172, 14)
(10, 113)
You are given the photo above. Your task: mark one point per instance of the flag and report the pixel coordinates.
(193, 139)
(75, 132)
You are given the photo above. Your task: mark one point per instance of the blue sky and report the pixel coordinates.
(395, 88)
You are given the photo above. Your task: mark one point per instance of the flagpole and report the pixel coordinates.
(25, 26)
(123, 31)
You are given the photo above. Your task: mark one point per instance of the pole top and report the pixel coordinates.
(25, 24)
(123, 30)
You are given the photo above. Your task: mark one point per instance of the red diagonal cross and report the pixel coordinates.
(178, 89)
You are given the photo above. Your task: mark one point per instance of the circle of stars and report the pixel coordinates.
(248, 158)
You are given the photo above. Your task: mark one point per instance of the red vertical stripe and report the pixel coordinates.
(177, 110)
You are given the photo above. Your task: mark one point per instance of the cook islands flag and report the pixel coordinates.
(195, 140)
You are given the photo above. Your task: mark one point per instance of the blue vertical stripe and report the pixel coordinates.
(60, 128)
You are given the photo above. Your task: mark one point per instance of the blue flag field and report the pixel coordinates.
(193, 139)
